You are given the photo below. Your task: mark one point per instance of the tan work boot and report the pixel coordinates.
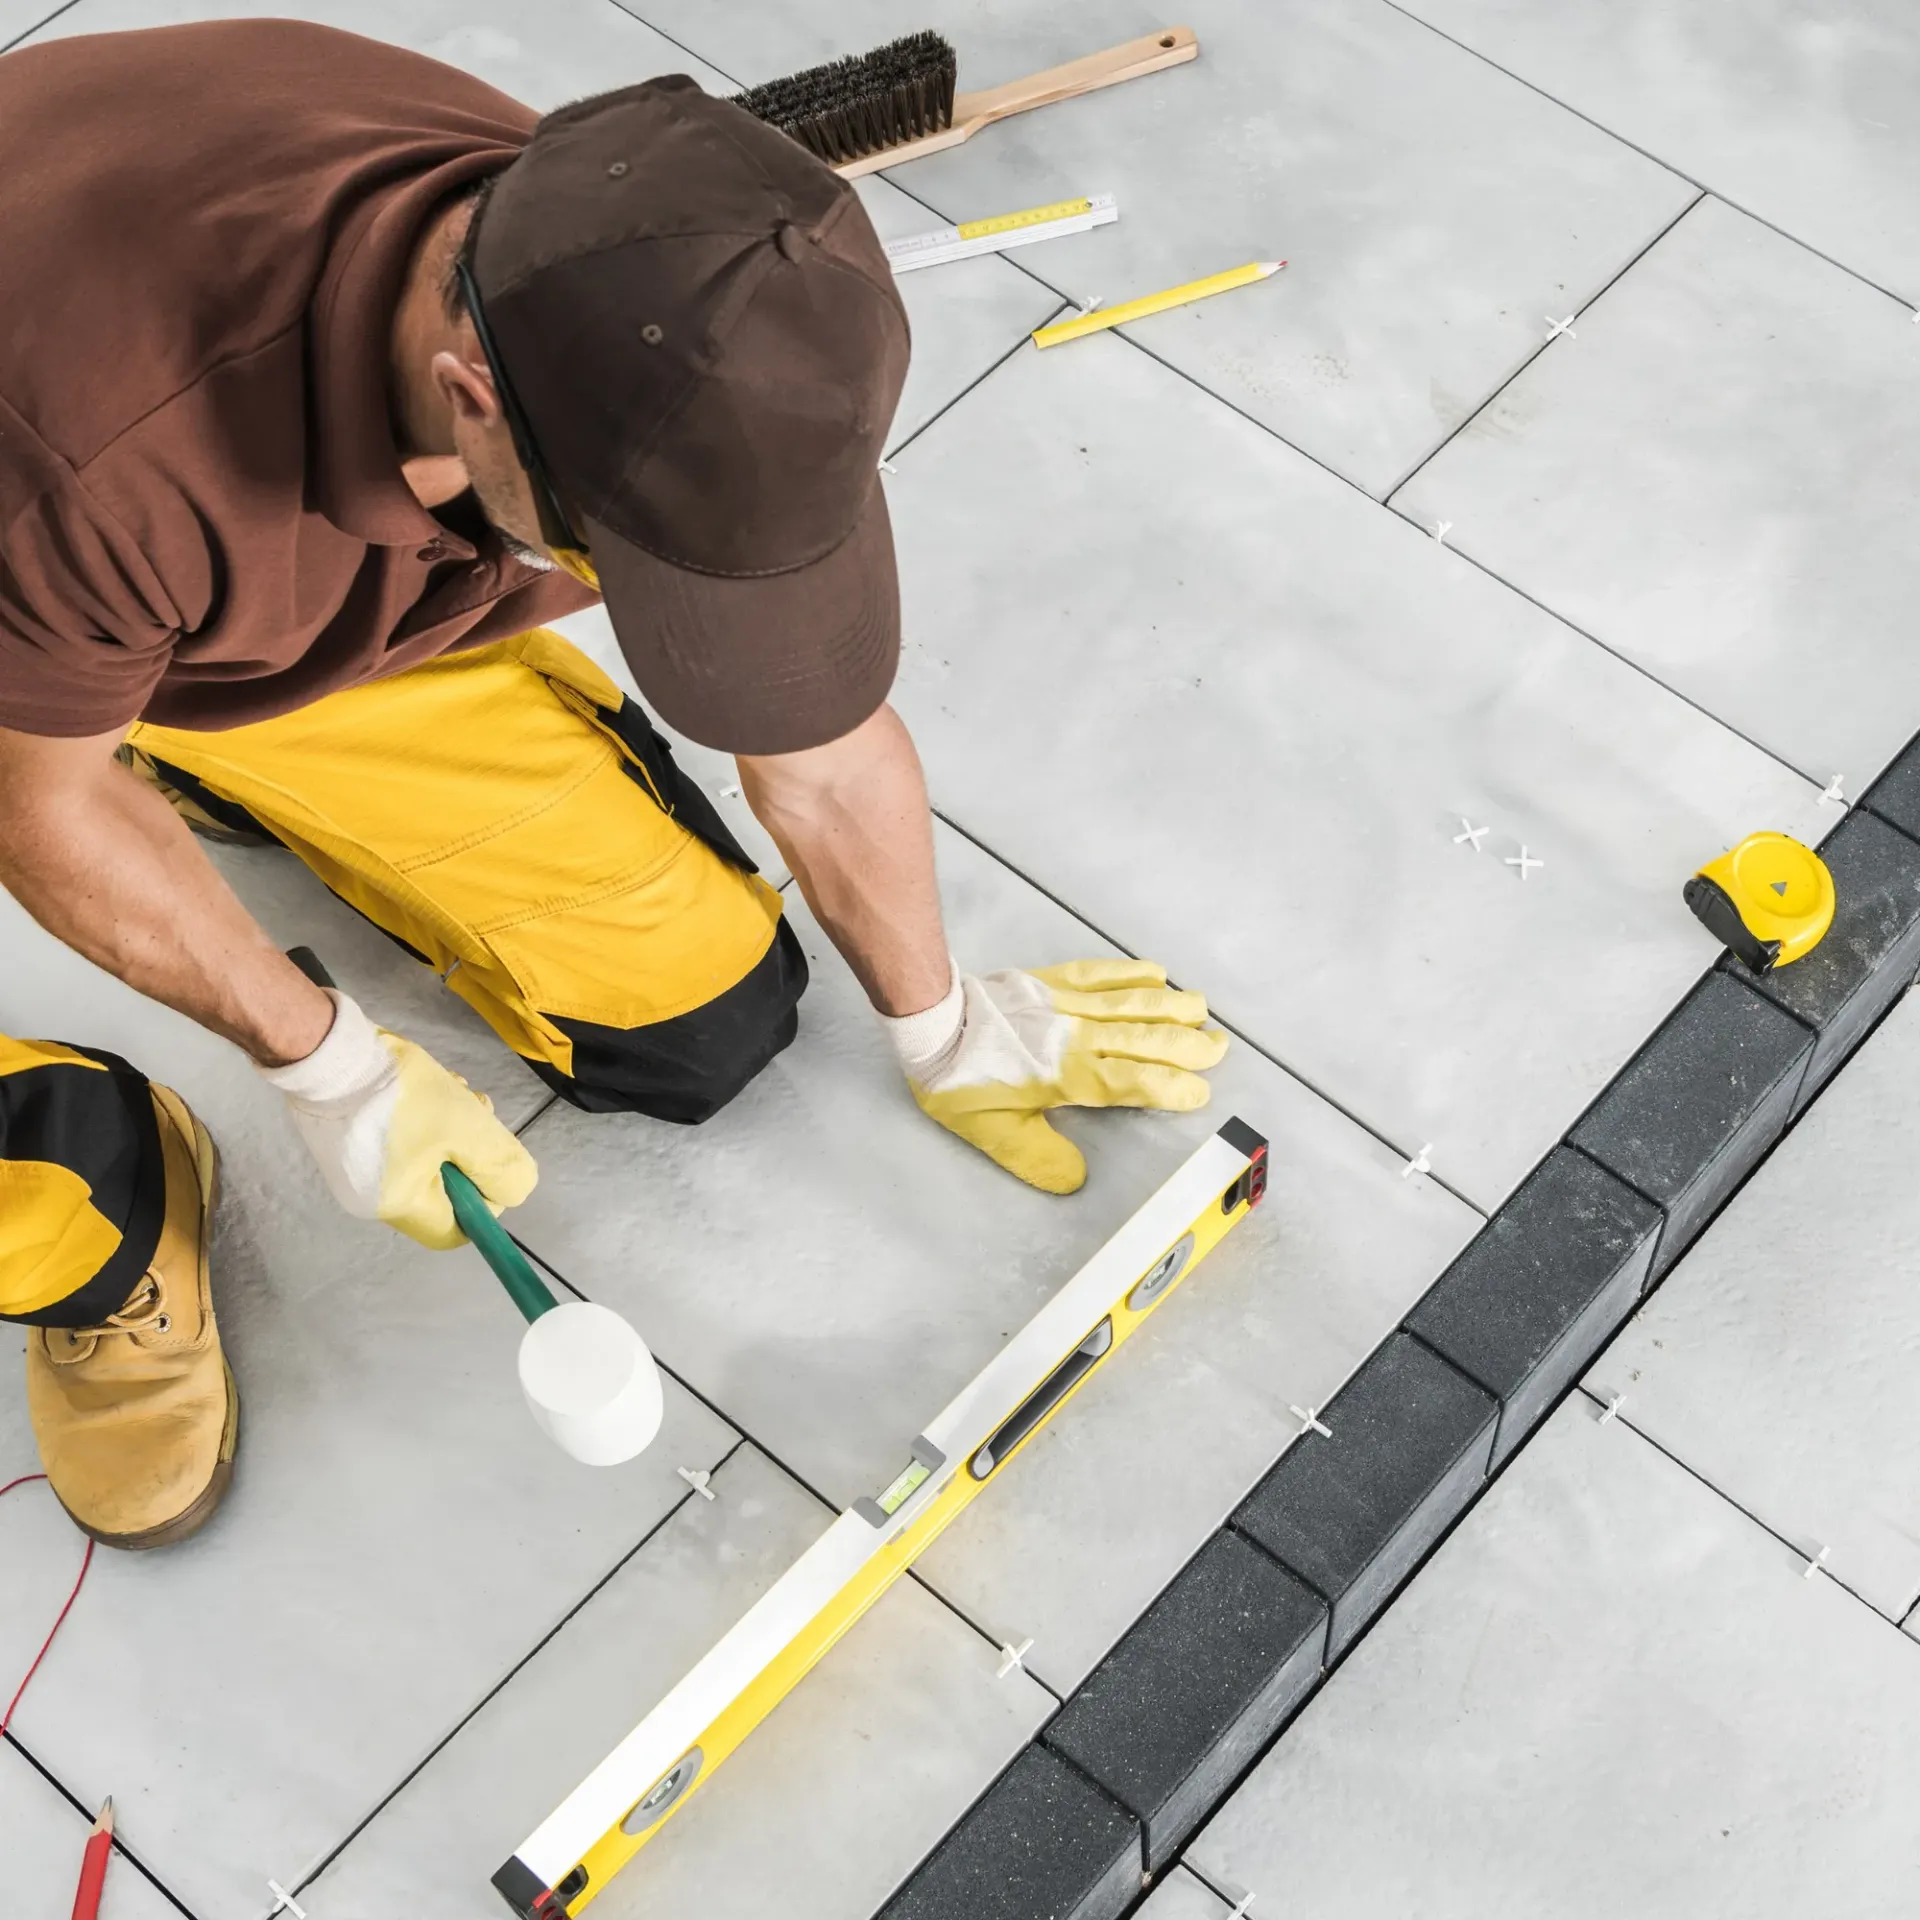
(137, 1417)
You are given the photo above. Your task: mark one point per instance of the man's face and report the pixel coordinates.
(500, 484)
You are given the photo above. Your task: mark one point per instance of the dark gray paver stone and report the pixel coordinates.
(1171, 1717)
(1044, 1843)
(1895, 795)
(1411, 1439)
(1541, 1286)
(1870, 953)
(1700, 1104)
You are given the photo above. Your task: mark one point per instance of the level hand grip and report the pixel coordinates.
(510, 1266)
(1043, 1399)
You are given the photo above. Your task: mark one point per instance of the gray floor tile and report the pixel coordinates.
(1801, 111)
(964, 316)
(567, 49)
(826, 1807)
(1376, 159)
(1778, 1359)
(831, 1268)
(1718, 478)
(1609, 1693)
(398, 1532)
(18, 17)
(1233, 713)
(1181, 1897)
(42, 1839)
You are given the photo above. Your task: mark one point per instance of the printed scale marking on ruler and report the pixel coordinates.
(1002, 231)
(575, 1852)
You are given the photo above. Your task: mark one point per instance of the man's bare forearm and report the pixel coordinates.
(104, 864)
(852, 820)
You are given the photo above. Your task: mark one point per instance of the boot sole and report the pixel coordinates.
(207, 1160)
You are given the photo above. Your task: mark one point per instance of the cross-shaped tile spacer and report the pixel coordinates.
(1831, 791)
(697, 1478)
(284, 1902)
(1561, 326)
(1420, 1163)
(1441, 530)
(1473, 835)
(1011, 1657)
(1526, 862)
(1818, 1564)
(1240, 1911)
(1612, 1408)
(1310, 1421)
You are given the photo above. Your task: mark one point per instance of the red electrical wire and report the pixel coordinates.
(6, 1718)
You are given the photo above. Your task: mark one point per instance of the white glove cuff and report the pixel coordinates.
(346, 1066)
(925, 1041)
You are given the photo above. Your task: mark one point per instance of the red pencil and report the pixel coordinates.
(93, 1869)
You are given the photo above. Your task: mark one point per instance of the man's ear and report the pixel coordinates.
(466, 384)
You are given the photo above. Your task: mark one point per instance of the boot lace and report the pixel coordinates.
(143, 1311)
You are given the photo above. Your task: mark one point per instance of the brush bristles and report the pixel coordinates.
(865, 104)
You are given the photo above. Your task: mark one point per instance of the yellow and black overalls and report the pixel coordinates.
(513, 821)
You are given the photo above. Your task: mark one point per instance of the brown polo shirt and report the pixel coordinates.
(204, 231)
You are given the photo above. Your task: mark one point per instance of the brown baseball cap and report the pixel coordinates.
(703, 336)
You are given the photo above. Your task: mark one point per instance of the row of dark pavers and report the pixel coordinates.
(1160, 1732)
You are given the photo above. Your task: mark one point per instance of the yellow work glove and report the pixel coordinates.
(991, 1058)
(380, 1115)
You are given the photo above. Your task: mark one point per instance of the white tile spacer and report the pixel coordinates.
(1561, 326)
(697, 1478)
(1916, 316)
(284, 1902)
(1440, 531)
(1310, 1422)
(1525, 862)
(1420, 1163)
(1011, 1657)
(1818, 1564)
(730, 793)
(1831, 791)
(1473, 835)
(1240, 1911)
(887, 466)
(1094, 305)
(1612, 1409)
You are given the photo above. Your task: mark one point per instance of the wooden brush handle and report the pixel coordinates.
(1170, 47)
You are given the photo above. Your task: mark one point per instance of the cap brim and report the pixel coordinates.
(772, 664)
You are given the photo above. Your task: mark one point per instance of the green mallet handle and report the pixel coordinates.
(510, 1266)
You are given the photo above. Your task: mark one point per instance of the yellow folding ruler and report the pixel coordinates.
(1001, 231)
(572, 1855)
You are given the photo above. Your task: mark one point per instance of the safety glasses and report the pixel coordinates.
(557, 531)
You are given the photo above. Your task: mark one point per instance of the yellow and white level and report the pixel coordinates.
(1002, 231)
(571, 1856)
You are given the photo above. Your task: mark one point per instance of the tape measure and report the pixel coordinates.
(573, 1854)
(1768, 901)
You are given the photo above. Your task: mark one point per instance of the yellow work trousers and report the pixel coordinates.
(520, 827)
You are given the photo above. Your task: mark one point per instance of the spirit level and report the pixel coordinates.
(623, 1803)
(1002, 231)
(1768, 901)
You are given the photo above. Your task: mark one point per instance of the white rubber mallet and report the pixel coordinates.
(586, 1374)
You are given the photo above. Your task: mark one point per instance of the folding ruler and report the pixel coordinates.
(559, 1868)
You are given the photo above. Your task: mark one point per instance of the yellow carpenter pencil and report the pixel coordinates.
(1083, 323)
